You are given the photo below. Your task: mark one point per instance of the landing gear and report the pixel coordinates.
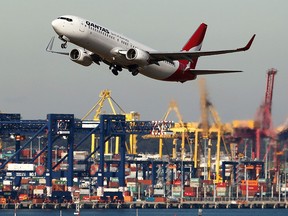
(64, 45)
(134, 71)
(115, 69)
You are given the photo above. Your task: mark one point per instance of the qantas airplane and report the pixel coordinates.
(100, 44)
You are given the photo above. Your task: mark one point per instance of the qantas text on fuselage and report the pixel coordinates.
(99, 44)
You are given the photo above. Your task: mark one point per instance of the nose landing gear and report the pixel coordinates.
(64, 45)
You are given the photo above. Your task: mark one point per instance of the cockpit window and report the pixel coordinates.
(65, 18)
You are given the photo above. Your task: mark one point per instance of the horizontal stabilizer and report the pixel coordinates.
(205, 72)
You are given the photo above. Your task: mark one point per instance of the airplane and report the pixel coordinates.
(99, 44)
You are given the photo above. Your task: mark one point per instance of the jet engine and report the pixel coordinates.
(138, 56)
(80, 56)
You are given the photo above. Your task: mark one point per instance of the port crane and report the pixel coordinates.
(207, 109)
(106, 95)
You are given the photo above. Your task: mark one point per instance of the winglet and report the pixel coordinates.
(247, 47)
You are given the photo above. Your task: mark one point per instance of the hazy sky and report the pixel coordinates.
(35, 83)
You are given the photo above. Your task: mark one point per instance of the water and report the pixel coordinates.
(148, 212)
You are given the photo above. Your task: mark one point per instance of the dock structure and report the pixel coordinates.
(99, 181)
(260, 204)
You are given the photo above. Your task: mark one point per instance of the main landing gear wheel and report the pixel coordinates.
(135, 72)
(115, 69)
(115, 72)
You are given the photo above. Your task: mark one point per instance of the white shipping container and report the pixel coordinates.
(64, 166)
(131, 184)
(7, 182)
(80, 155)
(84, 191)
(111, 190)
(38, 191)
(194, 185)
(195, 180)
(79, 167)
(176, 194)
(42, 181)
(159, 192)
(176, 188)
(21, 167)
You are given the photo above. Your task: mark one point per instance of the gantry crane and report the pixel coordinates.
(173, 106)
(206, 109)
(206, 142)
(106, 95)
(179, 127)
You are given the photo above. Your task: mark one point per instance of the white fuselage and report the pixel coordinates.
(106, 44)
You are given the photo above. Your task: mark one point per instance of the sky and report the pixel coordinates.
(36, 83)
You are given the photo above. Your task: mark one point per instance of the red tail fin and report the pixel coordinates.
(195, 43)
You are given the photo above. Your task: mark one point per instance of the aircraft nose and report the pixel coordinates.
(56, 25)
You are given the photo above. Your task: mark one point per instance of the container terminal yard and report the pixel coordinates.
(65, 162)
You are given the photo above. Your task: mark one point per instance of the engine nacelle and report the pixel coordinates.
(139, 56)
(81, 57)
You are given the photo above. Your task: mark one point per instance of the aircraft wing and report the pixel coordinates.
(162, 56)
(205, 72)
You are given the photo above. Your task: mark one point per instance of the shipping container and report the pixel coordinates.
(176, 191)
(80, 155)
(2, 200)
(190, 191)
(42, 181)
(79, 167)
(21, 167)
(128, 199)
(38, 191)
(150, 199)
(84, 191)
(160, 199)
(7, 182)
(113, 184)
(23, 197)
(84, 198)
(7, 188)
(37, 201)
(57, 187)
(159, 192)
(145, 182)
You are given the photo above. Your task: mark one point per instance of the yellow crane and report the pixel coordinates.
(180, 127)
(218, 127)
(206, 142)
(132, 148)
(173, 106)
(104, 95)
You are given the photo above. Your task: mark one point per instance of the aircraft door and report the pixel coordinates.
(82, 26)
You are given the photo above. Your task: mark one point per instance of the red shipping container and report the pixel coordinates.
(145, 182)
(7, 188)
(222, 184)
(177, 182)
(160, 199)
(190, 192)
(37, 201)
(113, 184)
